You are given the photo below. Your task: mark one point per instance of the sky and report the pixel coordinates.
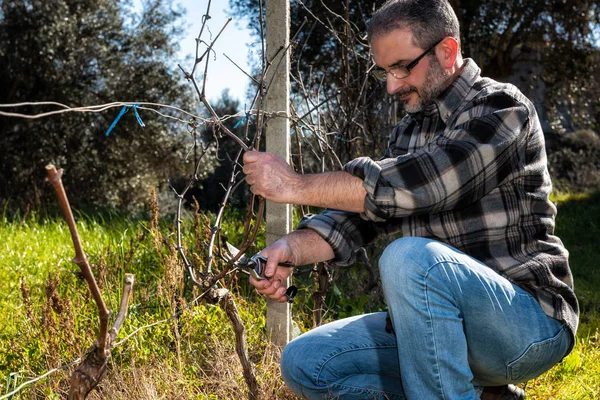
(233, 41)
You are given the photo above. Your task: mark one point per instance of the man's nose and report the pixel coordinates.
(393, 85)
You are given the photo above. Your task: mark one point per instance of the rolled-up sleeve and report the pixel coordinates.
(346, 232)
(379, 194)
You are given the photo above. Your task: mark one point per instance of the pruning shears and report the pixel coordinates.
(255, 266)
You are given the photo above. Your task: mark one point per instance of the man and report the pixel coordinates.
(478, 289)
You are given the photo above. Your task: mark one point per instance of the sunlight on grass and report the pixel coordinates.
(578, 375)
(193, 357)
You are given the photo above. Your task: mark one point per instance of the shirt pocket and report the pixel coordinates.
(539, 357)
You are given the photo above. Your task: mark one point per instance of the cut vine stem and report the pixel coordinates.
(94, 367)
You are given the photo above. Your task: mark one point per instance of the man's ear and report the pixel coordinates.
(447, 52)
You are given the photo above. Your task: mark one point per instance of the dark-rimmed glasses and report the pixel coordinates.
(399, 71)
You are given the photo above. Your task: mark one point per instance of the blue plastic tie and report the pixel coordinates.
(137, 116)
(241, 121)
(123, 111)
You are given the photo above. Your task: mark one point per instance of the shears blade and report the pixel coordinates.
(234, 251)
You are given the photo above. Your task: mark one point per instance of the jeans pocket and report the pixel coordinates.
(539, 357)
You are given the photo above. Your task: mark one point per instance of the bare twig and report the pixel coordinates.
(207, 58)
(216, 227)
(241, 69)
(123, 307)
(94, 367)
(214, 116)
(322, 279)
(205, 18)
(180, 198)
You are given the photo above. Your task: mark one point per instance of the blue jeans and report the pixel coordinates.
(458, 326)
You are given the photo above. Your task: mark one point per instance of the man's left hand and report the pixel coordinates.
(271, 177)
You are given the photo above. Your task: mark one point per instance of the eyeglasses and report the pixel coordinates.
(399, 71)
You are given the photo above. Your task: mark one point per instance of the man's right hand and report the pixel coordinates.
(302, 247)
(273, 287)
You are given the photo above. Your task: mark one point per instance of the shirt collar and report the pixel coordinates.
(447, 102)
(458, 90)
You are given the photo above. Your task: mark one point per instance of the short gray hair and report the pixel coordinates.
(428, 20)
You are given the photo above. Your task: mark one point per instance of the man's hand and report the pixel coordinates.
(271, 177)
(302, 247)
(273, 287)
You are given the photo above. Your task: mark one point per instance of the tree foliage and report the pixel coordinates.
(546, 47)
(81, 53)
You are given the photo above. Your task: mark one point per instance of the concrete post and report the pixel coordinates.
(279, 216)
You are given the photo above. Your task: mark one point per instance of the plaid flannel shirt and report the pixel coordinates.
(470, 170)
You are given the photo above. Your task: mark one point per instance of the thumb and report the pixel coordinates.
(271, 267)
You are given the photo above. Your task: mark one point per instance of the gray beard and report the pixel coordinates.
(435, 83)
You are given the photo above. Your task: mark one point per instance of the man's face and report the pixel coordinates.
(426, 80)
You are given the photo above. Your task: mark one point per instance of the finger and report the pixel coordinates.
(260, 284)
(283, 299)
(251, 156)
(273, 292)
(277, 295)
(269, 286)
(254, 190)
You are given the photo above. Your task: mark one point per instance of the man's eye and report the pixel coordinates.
(398, 66)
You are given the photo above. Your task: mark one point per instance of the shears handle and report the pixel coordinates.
(257, 271)
(258, 268)
(290, 293)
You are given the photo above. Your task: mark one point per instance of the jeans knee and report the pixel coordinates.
(289, 362)
(403, 256)
(294, 366)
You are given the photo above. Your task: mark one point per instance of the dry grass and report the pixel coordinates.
(47, 317)
(220, 378)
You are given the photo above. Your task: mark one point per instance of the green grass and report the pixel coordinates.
(48, 318)
(193, 357)
(578, 226)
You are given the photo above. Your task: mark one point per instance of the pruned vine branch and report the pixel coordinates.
(54, 177)
(94, 367)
